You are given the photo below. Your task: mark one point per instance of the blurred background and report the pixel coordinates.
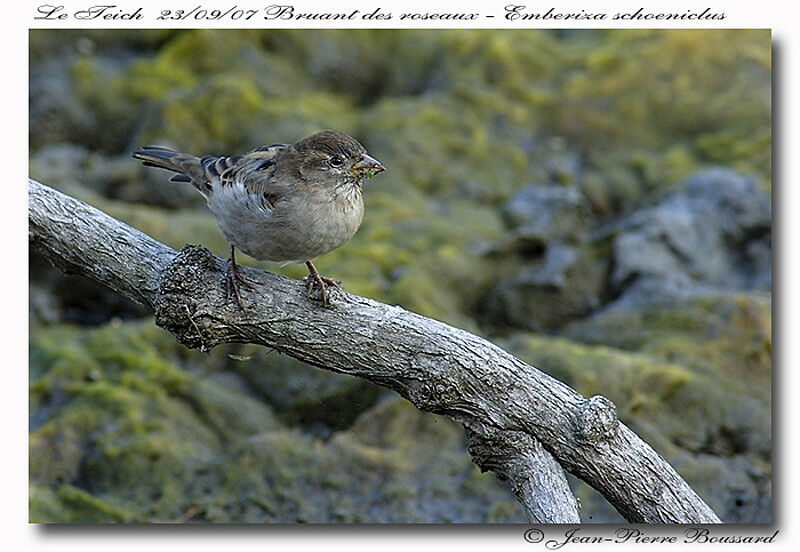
(595, 202)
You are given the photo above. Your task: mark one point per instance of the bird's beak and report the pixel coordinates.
(367, 167)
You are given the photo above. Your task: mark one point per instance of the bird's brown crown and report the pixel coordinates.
(331, 142)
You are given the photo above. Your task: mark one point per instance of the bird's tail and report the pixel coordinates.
(188, 167)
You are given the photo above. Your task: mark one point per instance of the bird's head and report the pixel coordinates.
(333, 155)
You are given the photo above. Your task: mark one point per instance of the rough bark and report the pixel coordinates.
(517, 418)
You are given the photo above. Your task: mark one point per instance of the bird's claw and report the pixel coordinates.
(315, 280)
(233, 281)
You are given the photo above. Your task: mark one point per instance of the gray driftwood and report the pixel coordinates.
(522, 424)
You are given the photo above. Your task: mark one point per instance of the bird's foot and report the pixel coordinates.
(233, 281)
(315, 279)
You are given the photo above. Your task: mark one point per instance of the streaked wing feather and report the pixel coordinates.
(258, 168)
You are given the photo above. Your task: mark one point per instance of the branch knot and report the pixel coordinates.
(187, 273)
(597, 419)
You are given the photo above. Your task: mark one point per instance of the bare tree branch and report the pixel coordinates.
(516, 416)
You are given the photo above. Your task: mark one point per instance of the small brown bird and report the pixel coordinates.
(284, 202)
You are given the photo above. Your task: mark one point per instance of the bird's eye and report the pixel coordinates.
(336, 161)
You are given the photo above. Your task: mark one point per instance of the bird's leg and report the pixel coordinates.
(233, 279)
(315, 279)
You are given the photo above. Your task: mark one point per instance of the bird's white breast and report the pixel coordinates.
(296, 229)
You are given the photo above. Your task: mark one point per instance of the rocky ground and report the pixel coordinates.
(597, 203)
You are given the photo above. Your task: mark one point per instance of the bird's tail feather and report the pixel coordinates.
(188, 167)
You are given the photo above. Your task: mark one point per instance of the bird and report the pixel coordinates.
(283, 202)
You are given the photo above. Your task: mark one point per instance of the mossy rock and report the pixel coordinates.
(722, 335)
(686, 408)
(463, 119)
(129, 426)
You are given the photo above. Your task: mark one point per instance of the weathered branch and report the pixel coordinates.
(507, 406)
(536, 478)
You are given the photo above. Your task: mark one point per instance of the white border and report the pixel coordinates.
(17, 532)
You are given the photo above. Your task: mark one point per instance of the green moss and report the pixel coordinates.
(116, 413)
(624, 377)
(442, 146)
(69, 504)
(462, 119)
(127, 425)
(468, 98)
(728, 335)
(457, 117)
(706, 390)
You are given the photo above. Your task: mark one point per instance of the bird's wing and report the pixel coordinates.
(216, 167)
(200, 171)
(256, 171)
